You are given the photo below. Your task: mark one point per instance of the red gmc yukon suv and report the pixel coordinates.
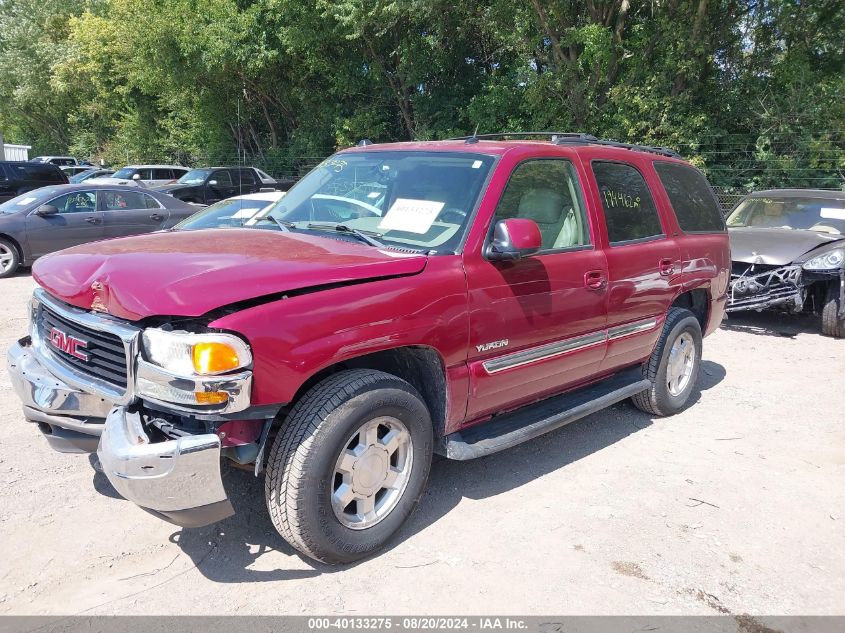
(454, 297)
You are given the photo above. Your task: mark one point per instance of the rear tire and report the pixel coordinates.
(10, 259)
(673, 365)
(322, 466)
(832, 323)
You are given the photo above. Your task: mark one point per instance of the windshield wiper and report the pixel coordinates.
(285, 226)
(368, 237)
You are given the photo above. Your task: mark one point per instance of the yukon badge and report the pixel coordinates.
(486, 347)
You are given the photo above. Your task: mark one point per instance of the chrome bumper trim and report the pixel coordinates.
(41, 389)
(150, 377)
(129, 335)
(167, 477)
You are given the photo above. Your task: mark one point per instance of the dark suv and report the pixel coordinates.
(212, 184)
(19, 177)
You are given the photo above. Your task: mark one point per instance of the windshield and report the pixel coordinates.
(125, 174)
(816, 214)
(421, 200)
(26, 200)
(227, 213)
(195, 177)
(91, 173)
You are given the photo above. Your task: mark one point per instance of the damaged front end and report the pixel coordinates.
(763, 286)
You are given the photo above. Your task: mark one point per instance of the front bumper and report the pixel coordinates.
(177, 480)
(70, 419)
(781, 287)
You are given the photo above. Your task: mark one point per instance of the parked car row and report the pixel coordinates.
(52, 218)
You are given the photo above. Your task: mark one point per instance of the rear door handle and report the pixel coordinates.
(595, 280)
(667, 266)
(92, 219)
(157, 217)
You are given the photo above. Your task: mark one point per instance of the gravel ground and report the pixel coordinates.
(736, 505)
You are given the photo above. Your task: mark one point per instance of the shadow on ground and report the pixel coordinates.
(773, 323)
(226, 551)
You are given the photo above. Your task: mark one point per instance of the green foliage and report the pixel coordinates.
(749, 91)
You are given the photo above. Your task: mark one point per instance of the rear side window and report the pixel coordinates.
(247, 177)
(629, 209)
(691, 197)
(121, 200)
(42, 173)
(150, 202)
(162, 174)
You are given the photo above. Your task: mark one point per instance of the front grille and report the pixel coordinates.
(105, 351)
(759, 285)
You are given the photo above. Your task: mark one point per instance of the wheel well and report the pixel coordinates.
(420, 366)
(14, 243)
(697, 302)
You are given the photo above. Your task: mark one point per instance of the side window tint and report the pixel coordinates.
(122, 200)
(629, 209)
(691, 197)
(223, 178)
(3, 176)
(247, 177)
(547, 192)
(76, 202)
(146, 174)
(150, 202)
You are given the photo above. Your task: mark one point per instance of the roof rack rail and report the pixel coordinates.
(572, 138)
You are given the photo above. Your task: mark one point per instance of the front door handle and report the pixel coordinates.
(157, 217)
(667, 266)
(92, 219)
(595, 280)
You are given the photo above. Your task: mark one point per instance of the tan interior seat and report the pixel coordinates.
(546, 208)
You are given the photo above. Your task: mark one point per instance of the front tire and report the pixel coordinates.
(832, 323)
(673, 365)
(349, 465)
(10, 259)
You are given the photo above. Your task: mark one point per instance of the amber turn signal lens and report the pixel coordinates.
(211, 397)
(213, 358)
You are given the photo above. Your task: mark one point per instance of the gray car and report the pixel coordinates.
(52, 218)
(788, 252)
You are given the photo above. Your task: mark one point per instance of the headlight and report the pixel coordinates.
(187, 354)
(829, 261)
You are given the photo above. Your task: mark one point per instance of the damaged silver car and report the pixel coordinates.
(788, 252)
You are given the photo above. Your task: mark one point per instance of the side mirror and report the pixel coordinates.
(514, 238)
(136, 176)
(212, 183)
(46, 210)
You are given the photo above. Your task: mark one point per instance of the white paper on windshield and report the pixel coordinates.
(20, 203)
(413, 216)
(833, 213)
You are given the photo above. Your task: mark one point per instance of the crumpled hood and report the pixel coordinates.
(776, 247)
(189, 273)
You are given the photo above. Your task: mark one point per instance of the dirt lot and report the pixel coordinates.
(737, 505)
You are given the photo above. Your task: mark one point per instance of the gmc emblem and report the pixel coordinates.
(68, 344)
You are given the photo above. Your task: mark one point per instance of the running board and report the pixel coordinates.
(510, 429)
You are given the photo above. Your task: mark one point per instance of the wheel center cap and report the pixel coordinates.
(369, 471)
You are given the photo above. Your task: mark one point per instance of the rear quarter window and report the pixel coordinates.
(692, 199)
(43, 173)
(629, 210)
